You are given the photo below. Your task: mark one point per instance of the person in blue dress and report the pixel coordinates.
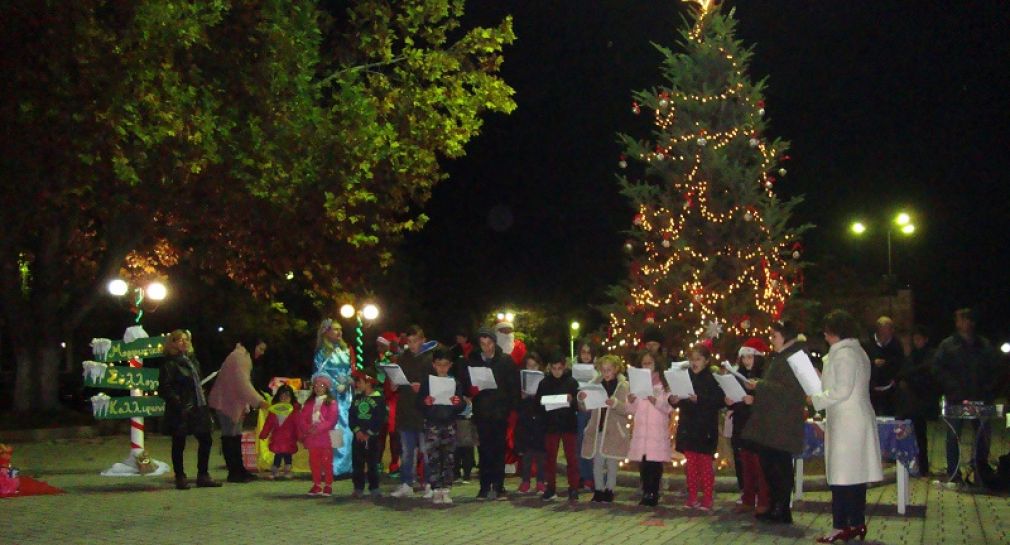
(333, 359)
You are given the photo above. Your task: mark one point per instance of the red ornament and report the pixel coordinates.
(638, 219)
(667, 235)
(635, 109)
(761, 103)
(650, 317)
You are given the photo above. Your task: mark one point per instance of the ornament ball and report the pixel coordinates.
(748, 216)
(702, 141)
(796, 254)
(665, 243)
(628, 247)
(754, 142)
(782, 172)
(622, 163)
(761, 111)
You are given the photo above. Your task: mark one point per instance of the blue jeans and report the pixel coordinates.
(411, 442)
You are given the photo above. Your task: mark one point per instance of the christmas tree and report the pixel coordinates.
(711, 254)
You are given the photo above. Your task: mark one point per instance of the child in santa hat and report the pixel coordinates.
(750, 478)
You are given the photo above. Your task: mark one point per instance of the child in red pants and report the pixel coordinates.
(560, 424)
(316, 420)
(698, 428)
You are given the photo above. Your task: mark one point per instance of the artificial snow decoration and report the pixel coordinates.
(99, 405)
(133, 333)
(94, 371)
(100, 347)
(713, 330)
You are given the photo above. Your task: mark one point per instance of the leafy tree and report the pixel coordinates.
(270, 142)
(711, 250)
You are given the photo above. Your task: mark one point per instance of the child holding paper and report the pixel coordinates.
(440, 427)
(650, 439)
(367, 420)
(753, 487)
(606, 438)
(698, 428)
(559, 426)
(530, 439)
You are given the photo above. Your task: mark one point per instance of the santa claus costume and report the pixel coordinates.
(388, 348)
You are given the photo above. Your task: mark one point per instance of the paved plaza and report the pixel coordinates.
(100, 510)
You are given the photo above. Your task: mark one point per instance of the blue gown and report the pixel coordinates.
(335, 363)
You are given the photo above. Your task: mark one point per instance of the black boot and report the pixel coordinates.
(181, 483)
(608, 496)
(231, 447)
(597, 496)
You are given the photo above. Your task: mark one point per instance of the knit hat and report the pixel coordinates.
(753, 347)
(324, 379)
(653, 333)
(485, 332)
(504, 324)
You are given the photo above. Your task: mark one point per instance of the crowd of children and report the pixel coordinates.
(444, 413)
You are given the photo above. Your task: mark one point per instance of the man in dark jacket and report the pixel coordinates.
(918, 394)
(967, 369)
(491, 408)
(888, 357)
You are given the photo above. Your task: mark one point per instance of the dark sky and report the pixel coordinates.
(888, 105)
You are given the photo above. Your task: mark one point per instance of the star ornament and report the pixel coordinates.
(713, 330)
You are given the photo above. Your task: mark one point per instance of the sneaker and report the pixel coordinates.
(692, 504)
(492, 495)
(403, 491)
(501, 495)
(436, 496)
(573, 495)
(524, 487)
(549, 495)
(482, 494)
(445, 496)
(704, 509)
(327, 491)
(358, 494)
(541, 486)
(316, 490)
(375, 493)
(428, 492)
(608, 496)
(597, 496)
(589, 485)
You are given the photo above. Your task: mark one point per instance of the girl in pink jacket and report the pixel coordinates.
(316, 419)
(650, 439)
(281, 427)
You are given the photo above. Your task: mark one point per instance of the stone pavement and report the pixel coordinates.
(100, 510)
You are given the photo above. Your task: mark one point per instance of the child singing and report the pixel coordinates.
(367, 421)
(440, 427)
(698, 428)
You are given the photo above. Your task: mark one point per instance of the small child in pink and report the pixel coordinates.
(282, 429)
(317, 418)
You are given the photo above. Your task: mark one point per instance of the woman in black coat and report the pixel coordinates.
(186, 410)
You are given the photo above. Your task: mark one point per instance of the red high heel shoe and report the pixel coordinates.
(836, 535)
(859, 531)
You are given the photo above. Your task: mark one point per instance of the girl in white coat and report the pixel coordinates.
(851, 443)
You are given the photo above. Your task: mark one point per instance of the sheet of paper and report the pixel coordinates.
(731, 387)
(596, 396)
(583, 372)
(552, 403)
(804, 370)
(442, 389)
(735, 371)
(530, 380)
(679, 380)
(640, 381)
(395, 374)
(482, 378)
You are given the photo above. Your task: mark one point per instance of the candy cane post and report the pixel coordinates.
(133, 377)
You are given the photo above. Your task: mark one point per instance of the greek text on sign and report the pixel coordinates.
(104, 407)
(112, 351)
(102, 375)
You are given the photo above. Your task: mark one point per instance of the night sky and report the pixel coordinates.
(888, 105)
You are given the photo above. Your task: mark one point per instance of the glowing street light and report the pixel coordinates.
(858, 228)
(573, 331)
(157, 291)
(1005, 348)
(903, 221)
(118, 287)
(368, 312)
(347, 311)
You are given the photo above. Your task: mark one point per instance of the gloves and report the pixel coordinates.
(473, 391)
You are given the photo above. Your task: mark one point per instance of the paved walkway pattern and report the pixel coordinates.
(140, 511)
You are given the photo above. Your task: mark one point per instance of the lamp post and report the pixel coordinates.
(573, 330)
(904, 225)
(155, 291)
(368, 312)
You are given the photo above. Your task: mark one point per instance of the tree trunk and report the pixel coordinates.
(24, 385)
(37, 353)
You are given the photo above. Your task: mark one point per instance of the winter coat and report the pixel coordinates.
(613, 441)
(233, 392)
(496, 404)
(698, 426)
(283, 435)
(651, 435)
(530, 430)
(559, 420)
(317, 435)
(184, 414)
(918, 390)
(441, 415)
(777, 415)
(368, 413)
(851, 443)
(741, 411)
(967, 372)
(883, 378)
(416, 367)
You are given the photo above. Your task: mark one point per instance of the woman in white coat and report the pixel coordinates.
(851, 444)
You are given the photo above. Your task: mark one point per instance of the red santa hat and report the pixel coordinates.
(358, 374)
(753, 347)
(389, 338)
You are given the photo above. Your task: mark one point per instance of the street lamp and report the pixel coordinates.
(155, 291)
(573, 331)
(368, 312)
(903, 221)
